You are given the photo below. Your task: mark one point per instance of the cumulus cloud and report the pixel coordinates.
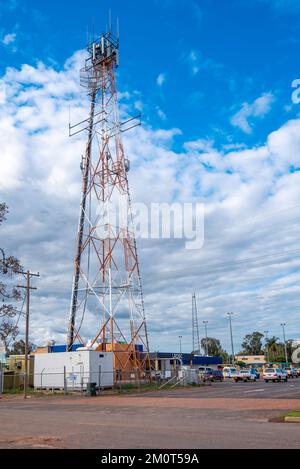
(258, 109)
(251, 198)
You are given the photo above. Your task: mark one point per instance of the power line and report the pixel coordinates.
(211, 268)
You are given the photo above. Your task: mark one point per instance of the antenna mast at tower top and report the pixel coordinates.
(107, 291)
(195, 326)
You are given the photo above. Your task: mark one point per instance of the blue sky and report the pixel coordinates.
(213, 81)
(214, 55)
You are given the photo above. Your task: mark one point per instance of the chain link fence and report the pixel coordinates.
(82, 382)
(66, 382)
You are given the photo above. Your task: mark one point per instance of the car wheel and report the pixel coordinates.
(266, 380)
(254, 380)
(285, 380)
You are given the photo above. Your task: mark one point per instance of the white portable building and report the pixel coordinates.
(73, 370)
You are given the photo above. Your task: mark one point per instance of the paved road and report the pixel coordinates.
(259, 390)
(225, 415)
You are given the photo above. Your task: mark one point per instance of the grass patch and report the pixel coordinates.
(17, 391)
(294, 414)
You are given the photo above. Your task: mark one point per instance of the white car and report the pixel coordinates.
(291, 372)
(245, 375)
(275, 374)
(204, 369)
(230, 372)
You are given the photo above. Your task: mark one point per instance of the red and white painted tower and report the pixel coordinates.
(107, 294)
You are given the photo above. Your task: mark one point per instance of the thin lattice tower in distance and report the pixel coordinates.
(107, 292)
(195, 326)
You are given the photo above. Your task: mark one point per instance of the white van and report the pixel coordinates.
(230, 372)
(204, 369)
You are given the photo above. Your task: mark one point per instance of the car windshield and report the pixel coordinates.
(244, 371)
(270, 370)
(233, 370)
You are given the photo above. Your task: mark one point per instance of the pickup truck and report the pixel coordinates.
(246, 375)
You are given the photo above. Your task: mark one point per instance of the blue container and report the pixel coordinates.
(63, 348)
(139, 348)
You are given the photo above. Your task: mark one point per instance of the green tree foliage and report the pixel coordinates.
(241, 364)
(253, 344)
(213, 347)
(275, 350)
(18, 347)
(9, 294)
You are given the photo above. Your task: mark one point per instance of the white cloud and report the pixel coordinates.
(161, 79)
(258, 109)
(252, 210)
(193, 59)
(197, 62)
(9, 39)
(201, 145)
(161, 114)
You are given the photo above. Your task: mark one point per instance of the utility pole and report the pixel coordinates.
(285, 347)
(195, 326)
(28, 288)
(267, 346)
(231, 336)
(205, 325)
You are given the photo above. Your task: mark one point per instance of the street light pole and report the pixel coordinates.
(285, 347)
(231, 336)
(267, 347)
(206, 340)
(180, 344)
(28, 288)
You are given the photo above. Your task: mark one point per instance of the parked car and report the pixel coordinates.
(207, 376)
(275, 374)
(298, 372)
(204, 369)
(245, 375)
(291, 372)
(212, 376)
(230, 372)
(255, 372)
